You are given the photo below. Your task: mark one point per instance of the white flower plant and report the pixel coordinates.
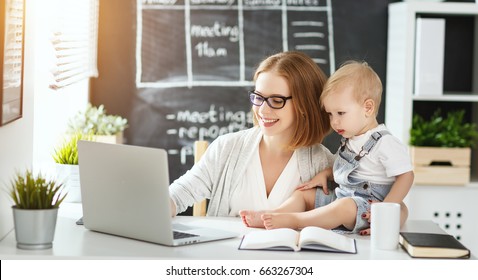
(95, 120)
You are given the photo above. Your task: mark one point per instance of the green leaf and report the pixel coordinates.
(67, 152)
(30, 191)
(439, 131)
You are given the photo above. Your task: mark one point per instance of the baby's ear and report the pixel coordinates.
(369, 106)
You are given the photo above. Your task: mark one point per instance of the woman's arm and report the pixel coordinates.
(196, 184)
(320, 180)
(216, 173)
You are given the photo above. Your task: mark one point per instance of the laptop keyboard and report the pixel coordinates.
(181, 235)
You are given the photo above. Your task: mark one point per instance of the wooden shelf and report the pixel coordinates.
(471, 185)
(447, 97)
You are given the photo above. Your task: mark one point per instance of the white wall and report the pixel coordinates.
(29, 141)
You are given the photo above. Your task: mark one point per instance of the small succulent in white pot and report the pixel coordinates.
(66, 158)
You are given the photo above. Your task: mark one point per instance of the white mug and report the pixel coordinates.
(385, 225)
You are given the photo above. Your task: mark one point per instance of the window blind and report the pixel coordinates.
(74, 40)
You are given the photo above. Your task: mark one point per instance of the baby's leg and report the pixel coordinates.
(252, 218)
(299, 201)
(340, 212)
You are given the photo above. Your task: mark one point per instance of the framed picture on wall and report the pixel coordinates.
(12, 22)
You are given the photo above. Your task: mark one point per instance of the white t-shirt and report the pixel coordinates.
(387, 159)
(251, 192)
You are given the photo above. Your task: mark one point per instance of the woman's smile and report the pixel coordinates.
(269, 122)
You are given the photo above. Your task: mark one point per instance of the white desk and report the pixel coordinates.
(75, 242)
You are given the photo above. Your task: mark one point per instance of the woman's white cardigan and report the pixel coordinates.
(223, 165)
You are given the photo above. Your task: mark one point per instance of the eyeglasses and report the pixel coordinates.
(274, 101)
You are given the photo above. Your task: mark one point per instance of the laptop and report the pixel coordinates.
(124, 190)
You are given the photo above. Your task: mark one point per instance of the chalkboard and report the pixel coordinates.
(196, 59)
(191, 44)
(180, 70)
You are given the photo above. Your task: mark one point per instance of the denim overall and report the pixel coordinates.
(359, 190)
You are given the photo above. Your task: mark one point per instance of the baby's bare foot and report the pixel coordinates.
(279, 220)
(252, 218)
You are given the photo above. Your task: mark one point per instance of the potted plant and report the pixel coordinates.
(441, 148)
(66, 159)
(94, 120)
(36, 202)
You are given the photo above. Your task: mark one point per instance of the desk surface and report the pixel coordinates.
(75, 242)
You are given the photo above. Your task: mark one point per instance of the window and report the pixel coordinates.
(74, 40)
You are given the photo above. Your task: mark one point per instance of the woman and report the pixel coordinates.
(260, 167)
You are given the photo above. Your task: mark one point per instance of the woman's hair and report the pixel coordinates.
(306, 81)
(365, 83)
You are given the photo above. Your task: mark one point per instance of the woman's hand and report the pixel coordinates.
(311, 185)
(368, 215)
(320, 180)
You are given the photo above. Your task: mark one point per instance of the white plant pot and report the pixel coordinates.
(69, 175)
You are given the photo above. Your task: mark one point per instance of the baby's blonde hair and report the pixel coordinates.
(363, 80)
